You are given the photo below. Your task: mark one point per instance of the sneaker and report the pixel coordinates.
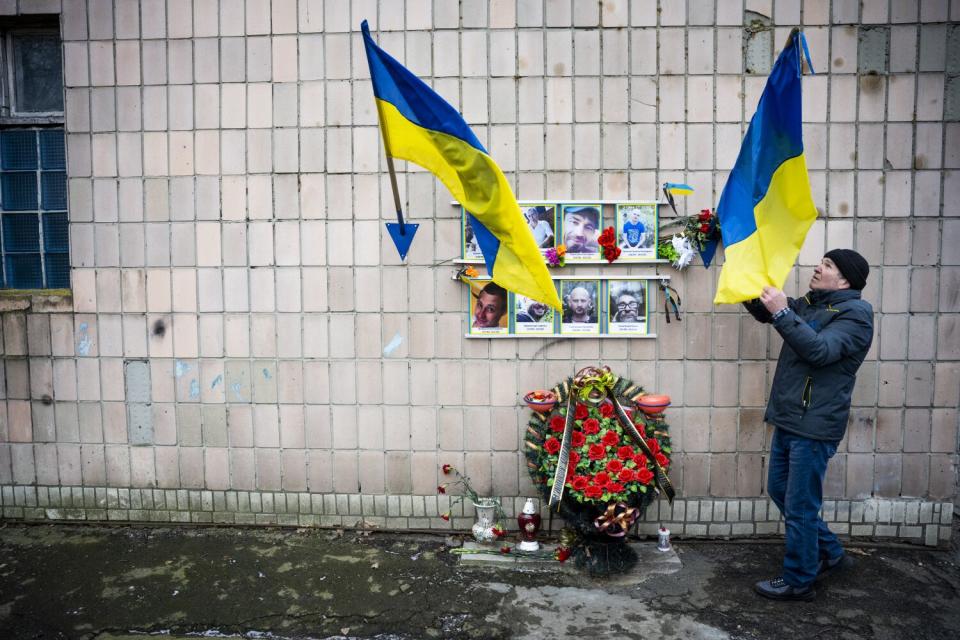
(778, 589)
(831, 567)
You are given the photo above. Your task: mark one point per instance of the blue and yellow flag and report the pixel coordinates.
(766, 207)
(421, 127)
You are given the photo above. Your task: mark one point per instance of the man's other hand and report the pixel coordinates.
(773, 299)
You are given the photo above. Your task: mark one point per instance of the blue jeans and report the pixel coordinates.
(795, 483)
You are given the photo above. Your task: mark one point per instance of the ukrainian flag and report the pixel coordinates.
(420, 126)
(766, 207)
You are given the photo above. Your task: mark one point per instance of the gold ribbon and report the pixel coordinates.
(619, 522)
(592, 384)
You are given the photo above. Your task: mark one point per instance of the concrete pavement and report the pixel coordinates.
(94, 582)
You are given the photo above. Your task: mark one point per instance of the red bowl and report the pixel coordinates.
(651, 404)
(542, 405)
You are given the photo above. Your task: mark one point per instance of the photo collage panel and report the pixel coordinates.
(591, 307)
(578, 227)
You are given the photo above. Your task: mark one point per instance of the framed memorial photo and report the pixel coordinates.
(542, 219)
(580, 227)
(627, 307)
(487, 312)
(637, 231)
(531, 317)
(581, 307)
(470, 248)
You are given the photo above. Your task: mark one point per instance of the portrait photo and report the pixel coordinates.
(531, 316)
(488, 308)
(470, 246)
(637, 231)
(542, 221)
(581, 229)
(627, 310)
(580, 306)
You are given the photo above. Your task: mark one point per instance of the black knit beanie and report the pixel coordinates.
(852, 266)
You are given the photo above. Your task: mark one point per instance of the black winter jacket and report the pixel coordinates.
(826, 335)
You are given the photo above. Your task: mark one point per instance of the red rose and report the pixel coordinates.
(552, 445)
(601, 478)
(610, 439)
(593, 491)
(625, 452)
(625, 475)
(705, 215)
(614, 487)
(597, 452)
(579, 483)
(591, 426)
(574, 458)
(571, 471)
(607, 410)
(578, 439)
(644, 475)
(557, 423)
(662, 460)
(640, 460)
(614, 466)
(704, 227)
(581, 412)
(654, 446)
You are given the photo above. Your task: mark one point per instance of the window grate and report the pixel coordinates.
(34, 234)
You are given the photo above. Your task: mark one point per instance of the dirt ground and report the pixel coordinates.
(107, 583)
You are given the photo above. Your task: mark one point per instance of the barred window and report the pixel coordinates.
(34, 232)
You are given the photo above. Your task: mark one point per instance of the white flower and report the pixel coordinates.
(684, 249)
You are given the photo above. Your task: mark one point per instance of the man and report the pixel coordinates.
(580, 307)
(491, 305)
(633, 231)
(627, 308)
(581, 229)
(826, 335)
(542, 231)
(533, 312)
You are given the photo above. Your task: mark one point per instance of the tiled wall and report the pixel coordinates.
(234, 287)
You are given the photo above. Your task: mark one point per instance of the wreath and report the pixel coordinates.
(597, 456)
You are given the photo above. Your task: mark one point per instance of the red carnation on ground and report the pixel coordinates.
(552, 445)
(593, 491)
(614, 466)
(601, 478)
(610, 439)
(625, 452)
(505, 549)
(442, 489)
(498, 531)
(640, 460)
(607, 410)
(557, 423)
(653, 445)
(644, 475)
(614, 487)
(579, 483)
(562, 553)
(591, 426)
(574, 458)
(578, 439)
(625, 475)
(662, 460)
(445, 516)
(581, 412)
(597, 452)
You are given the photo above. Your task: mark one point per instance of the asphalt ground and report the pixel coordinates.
(112, 582)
